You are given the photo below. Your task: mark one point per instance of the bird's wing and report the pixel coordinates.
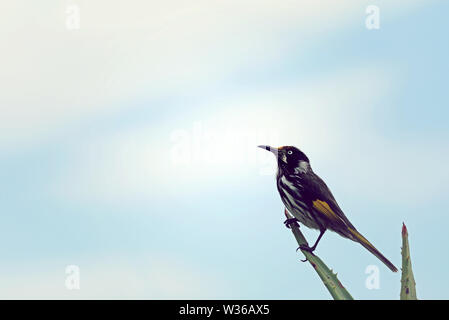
(322, 200)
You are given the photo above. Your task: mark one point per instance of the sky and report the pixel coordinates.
(129, 133)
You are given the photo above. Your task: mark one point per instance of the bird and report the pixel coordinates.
(309, 200)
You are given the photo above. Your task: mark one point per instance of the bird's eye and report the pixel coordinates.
(290, 152)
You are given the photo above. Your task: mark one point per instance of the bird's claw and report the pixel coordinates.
(305, 248)
(290, 221)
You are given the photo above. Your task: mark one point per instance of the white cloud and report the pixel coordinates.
(220, 141)
(330, 119)
(52, 77)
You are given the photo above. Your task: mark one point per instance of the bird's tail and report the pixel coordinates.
(362, 240)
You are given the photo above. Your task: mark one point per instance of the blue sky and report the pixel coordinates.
(128, 146)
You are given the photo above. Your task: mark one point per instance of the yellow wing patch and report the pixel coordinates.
(324, 208)
(360, 237)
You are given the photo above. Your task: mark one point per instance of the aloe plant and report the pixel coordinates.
(408, 285)
(329, 278)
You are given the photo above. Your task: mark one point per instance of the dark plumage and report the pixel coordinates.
(310, 201)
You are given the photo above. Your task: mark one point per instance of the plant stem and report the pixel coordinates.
(329, 279)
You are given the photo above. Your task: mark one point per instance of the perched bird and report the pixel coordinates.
(310, 201)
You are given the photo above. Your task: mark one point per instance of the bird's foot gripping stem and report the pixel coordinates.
(290, 221)
(306, 248)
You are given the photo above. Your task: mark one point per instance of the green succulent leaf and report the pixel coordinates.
(408, 285)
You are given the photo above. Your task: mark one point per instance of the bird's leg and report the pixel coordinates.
(311, 249)
(290, 221)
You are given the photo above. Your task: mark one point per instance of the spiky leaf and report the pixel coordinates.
(408, 285)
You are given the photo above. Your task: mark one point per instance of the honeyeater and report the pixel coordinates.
(309, 200)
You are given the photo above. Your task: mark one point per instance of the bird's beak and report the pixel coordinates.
(271, 149)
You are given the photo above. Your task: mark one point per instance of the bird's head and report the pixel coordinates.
(289, 158)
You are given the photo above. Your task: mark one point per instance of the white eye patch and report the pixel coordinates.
(290, 152)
